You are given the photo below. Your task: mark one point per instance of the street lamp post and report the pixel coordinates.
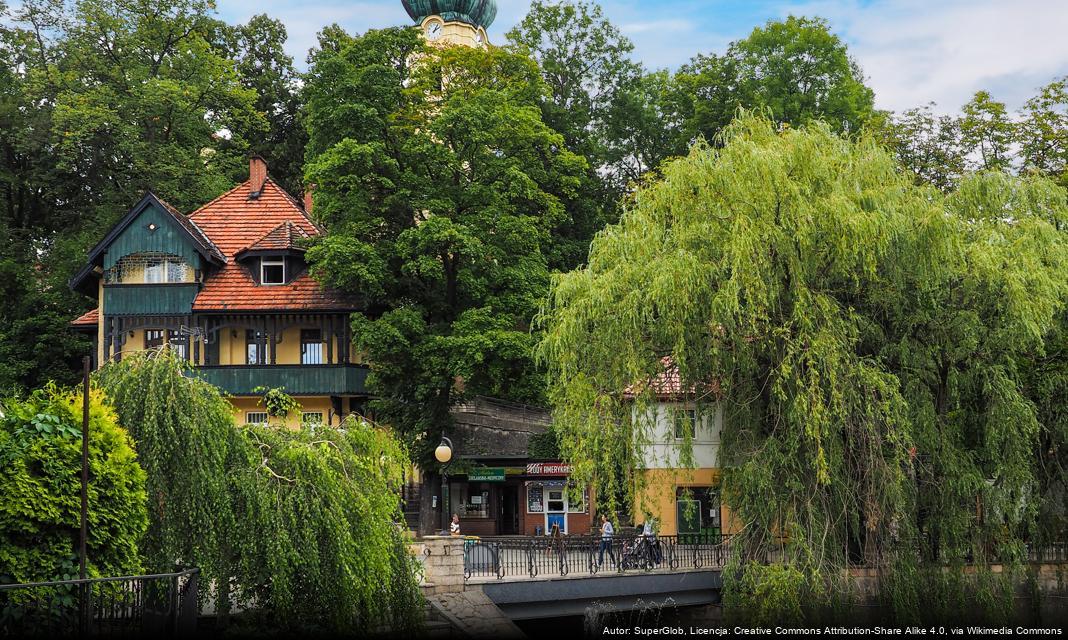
(443, 454)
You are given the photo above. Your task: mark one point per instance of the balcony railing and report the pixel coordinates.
(295, 379)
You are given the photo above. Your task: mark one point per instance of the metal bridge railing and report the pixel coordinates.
(159, 604)
(525, 556)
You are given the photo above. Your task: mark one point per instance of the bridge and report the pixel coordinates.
(493, 587)
(484, 586)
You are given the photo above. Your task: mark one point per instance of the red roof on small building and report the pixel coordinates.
(668, 384)
(87, 319)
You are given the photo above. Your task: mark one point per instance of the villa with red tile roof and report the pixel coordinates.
(227, 286)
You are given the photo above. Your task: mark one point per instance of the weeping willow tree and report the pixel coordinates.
(863, 336)
(293, 527)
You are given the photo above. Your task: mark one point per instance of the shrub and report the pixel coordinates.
(40, 489)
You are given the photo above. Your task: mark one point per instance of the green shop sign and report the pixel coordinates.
(486, 474)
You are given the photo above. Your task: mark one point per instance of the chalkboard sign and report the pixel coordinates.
(534, 499)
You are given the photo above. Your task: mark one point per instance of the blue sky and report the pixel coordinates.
(912, 51)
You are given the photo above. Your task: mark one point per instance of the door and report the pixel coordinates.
(509, 524)
(556, 509)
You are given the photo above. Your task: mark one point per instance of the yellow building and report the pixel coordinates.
(681, 492)
(227, 286)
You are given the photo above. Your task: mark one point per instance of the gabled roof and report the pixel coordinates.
(272, 221)
(667, 384)
(203, 245)
(284, 237)
(232, 224)
(235, 222)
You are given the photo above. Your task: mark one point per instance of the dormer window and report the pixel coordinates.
(273, 270)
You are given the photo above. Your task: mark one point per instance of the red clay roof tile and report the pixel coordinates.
(274, 220)
(89, 318)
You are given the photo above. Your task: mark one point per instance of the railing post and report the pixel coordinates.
(530, 559)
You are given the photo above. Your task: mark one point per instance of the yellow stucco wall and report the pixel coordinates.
(321, 404)
(657, 497)
(100, 322)
(232, 347)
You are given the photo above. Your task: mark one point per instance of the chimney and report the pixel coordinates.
(309, 189)
(257, 175)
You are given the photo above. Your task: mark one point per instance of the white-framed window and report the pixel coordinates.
(312, 417)
(685, 424)
(273, 271)
(256, 417)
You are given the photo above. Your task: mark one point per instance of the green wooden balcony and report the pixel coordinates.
(296, 379)
(149, 299)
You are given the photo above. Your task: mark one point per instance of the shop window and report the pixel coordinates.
(153, 338)
(697, 511)
(256, 417)
(472, 499)
(685, 424)
(273, 271)
(535, 498)
(556, 501)
(311, 346)
(577, 500)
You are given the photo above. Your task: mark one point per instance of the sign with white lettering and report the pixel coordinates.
(548, 469)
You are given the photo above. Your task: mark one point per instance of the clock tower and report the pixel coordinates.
(452, 22)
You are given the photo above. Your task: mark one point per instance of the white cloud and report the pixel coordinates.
(670, 25)
(914, 52)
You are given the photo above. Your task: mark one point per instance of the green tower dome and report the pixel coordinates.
(479, 13)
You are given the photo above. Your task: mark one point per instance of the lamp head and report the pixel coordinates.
(443, 453)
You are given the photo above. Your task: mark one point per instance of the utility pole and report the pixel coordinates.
(83, 604)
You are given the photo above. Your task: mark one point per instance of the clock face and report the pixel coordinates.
(433, 31)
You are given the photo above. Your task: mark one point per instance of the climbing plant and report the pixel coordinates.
(277, 402)
(295, 527)
(863, 335)
(40, 489)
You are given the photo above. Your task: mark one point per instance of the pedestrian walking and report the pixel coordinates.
(606, 541)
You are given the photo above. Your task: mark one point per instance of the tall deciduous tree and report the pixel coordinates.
(987, 133)
(1042, 132)
(442, 191)
(864, 336)
(927, 144)
(593, 84)
(797, 69)
(99, 101)
(258, 48)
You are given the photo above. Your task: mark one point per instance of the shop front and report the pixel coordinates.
(532, 499)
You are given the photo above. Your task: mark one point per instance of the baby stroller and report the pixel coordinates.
(641, 553)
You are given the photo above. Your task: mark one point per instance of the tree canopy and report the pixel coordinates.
(443, 191)
(796, 69)
(296, 526)
(40, 490)
(865, 337)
